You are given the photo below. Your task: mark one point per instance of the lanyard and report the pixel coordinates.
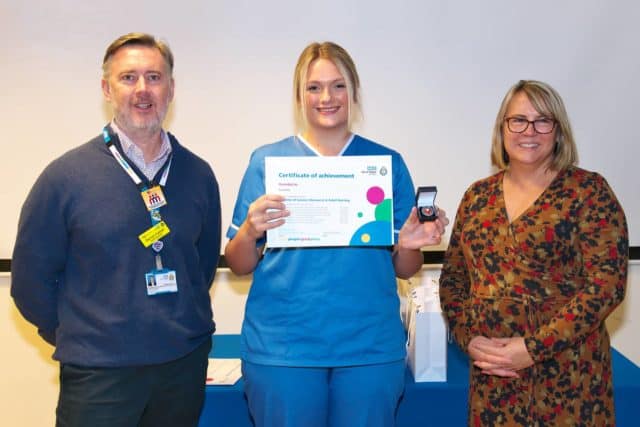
(127, 168)
(154, 213)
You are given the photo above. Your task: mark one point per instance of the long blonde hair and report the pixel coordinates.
(340, 57)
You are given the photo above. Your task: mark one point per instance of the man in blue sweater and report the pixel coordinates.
(119, 283)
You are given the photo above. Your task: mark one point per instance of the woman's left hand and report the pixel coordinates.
(415, 235)
(512, 349)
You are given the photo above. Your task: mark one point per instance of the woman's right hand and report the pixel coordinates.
(488, 355)
(265, 213)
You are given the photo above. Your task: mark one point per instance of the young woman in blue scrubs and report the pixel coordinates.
(322, 341)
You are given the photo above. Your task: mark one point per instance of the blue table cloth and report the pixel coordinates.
(423, 404)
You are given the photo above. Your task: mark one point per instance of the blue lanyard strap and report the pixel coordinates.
(154, 214)
(121, 160)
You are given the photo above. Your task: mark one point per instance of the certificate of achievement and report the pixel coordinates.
(333, 200)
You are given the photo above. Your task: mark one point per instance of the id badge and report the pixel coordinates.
(161, 282)
(153, 198)
(153, 234)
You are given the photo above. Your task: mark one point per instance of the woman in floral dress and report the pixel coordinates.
(536, 262)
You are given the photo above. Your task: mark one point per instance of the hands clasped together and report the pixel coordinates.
(502, 357)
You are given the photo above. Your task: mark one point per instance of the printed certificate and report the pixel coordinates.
(334, 201)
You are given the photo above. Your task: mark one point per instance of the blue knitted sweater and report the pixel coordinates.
(78, 267)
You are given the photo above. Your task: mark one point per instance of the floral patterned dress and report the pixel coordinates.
(552, 276)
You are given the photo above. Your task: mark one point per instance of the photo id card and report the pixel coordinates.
(161, 282)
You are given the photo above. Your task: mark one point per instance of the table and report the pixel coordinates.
(434, 404)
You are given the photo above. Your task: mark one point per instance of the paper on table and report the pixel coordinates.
(223, 371)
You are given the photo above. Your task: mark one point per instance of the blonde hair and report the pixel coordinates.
(346, 66)
(548, 103)
(136, 39)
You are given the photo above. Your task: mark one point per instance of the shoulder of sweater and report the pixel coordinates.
(180, 150)
(183, 157)
(80, 154)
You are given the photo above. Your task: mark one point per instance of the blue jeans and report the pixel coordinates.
(168, 394)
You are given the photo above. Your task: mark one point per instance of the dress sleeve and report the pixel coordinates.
(454, 281)
(604, 247)
(39, 255)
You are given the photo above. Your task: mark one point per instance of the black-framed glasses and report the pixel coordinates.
(520, 124)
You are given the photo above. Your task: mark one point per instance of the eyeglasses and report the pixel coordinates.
(520, 124)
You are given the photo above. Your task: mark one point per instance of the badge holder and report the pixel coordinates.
(159, 280)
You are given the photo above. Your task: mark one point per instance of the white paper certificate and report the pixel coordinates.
(334, 201)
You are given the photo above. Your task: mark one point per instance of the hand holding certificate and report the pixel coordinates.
(333, 201)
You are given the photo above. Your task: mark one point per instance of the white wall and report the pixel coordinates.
(433, 74)
(30, 384)
(29, 377)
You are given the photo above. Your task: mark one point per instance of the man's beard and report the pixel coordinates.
(149, 124)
